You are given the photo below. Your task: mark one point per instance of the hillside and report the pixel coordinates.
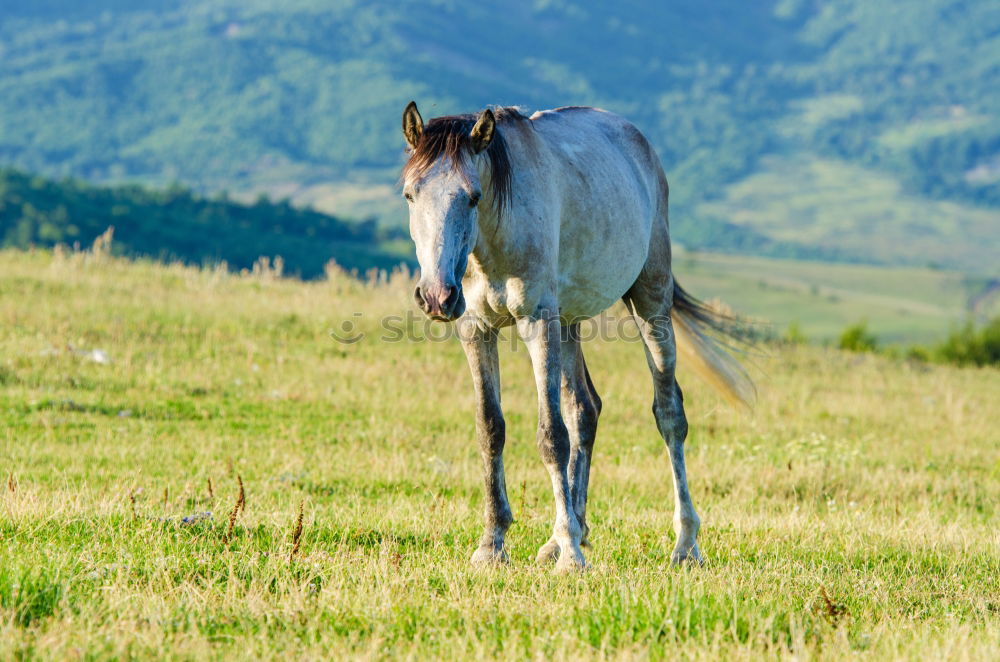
(174, 224)
(304, 101)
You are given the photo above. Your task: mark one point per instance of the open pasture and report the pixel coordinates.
(855, 513)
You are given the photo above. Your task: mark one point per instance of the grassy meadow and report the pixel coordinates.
(853, 514)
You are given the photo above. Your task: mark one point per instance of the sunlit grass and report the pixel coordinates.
(854, 513)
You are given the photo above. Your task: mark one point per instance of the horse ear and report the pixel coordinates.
(413, 124)
(482, 132)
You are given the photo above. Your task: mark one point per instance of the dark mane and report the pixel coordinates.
(448, 137)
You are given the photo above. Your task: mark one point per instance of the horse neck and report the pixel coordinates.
(498, 238)
(498, 233)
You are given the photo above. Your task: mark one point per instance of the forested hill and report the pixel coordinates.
(829, 128)
(174, 224)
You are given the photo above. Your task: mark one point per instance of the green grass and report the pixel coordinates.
(873, 483)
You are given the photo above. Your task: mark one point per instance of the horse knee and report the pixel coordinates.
(596, 405)
(581, 407)
(553, 443)
(589, 414)
(492, 431)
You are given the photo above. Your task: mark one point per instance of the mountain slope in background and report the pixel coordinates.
(304, 101)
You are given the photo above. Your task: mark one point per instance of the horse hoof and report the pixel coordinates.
(571, 563)
(687, 556)
(489, 555)
(548, 552)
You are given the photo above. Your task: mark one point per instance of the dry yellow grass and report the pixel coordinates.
(853, 515)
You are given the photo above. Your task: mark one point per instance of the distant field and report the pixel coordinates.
(900, 304)
(852, 515)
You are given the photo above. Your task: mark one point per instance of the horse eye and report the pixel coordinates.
(473, 199)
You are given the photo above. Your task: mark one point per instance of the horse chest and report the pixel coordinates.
(501, 300)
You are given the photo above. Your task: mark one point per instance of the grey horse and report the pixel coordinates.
(543, 222)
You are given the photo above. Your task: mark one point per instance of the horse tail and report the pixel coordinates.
(700, 331)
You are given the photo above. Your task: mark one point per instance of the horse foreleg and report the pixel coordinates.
(541, 335)
(481, 351)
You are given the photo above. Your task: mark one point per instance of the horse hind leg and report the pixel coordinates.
(652, 306)
(668, 409)
(581, 407)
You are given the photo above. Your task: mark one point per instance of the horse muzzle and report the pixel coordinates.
(440, 301)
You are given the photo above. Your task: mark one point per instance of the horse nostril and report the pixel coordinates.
(451, 298)
(418, 296)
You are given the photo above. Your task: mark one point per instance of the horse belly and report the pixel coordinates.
(600, 261)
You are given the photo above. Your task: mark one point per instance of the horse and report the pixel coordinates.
(541, 223)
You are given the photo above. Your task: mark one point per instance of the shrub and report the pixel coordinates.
(856, 338)
(967, 345)
(794, 334)
(918, 353)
